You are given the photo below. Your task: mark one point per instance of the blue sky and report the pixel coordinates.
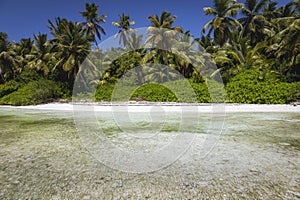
(23, 18)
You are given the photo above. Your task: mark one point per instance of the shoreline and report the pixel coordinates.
(166, 106)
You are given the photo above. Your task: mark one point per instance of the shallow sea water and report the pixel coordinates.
(44, 155)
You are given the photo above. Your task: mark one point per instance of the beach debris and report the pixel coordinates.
(256, 171)
(284, 144)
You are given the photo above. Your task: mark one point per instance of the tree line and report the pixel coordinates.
(257, 35)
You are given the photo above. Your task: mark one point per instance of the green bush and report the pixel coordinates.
(147, 92)
(154, 92)
(210, 92)
(250, 87)
(104, 92)
(174, 91)
(28, 76)
(9, 87)
(295, 91)
(35, 92)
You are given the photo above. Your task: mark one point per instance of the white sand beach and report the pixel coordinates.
(170, 107)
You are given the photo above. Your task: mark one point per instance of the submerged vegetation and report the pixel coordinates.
(254, 45)
(42, 157)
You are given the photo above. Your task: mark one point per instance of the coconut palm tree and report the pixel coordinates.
(7, 61)
(93, 19)
(288, 51)
(124, 28)
(286, 15)
(270, 10)
(223, 24)
(185, 58)
(255, 25)
(7, 65)
(71, 45)
(3, 42)
(20, 51)
(41, 55)
(15, 59)
(135, 42)
(161, 35)
(161, 30)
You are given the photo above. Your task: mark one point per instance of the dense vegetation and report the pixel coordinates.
(255, 46)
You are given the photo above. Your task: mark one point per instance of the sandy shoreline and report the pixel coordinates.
(169, 107)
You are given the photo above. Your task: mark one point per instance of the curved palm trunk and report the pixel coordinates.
(241, 56)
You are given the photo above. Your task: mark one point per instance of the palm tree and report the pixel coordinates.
(134, 42)
(7, 62)
(161, 35)
(124, 26)
(206, 42)
(92, 24)
(118, 63)
(270, 11)
(20, 52)
(255, 25)
(286, 15)
(41, 55)
(184, 56)
(3, 42)
(223, 24)
(71, 45)
(15, 59)
(288, 43)
(161, 31)
(281, 51)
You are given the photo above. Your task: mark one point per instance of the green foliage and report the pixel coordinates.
(173, 91)
(250, 87)
(27, 76)
(104, 92)
(187, 91)
(9, 87)
(35, 92)
(154, 92)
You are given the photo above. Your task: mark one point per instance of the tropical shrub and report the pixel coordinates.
(28, 76)
(104, 92)
(173, 91)
(9, 87)
(35, 92)
(253, 87)
(155, 93)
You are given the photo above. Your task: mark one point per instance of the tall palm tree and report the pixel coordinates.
(20, 52)
(270, 11)
(3, 41)
(71, 45)
(288, 51)
(15, 59)
(162, 35)
(282, 49)
(286, 15)
(223, 24)
(135, 42)
(41, 54)
(125, 29)
(161, 30)
(184, 54)
(255, 25)
(93, 19)
(7, 61)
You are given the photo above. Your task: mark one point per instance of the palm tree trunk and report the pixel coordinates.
(241, 56)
